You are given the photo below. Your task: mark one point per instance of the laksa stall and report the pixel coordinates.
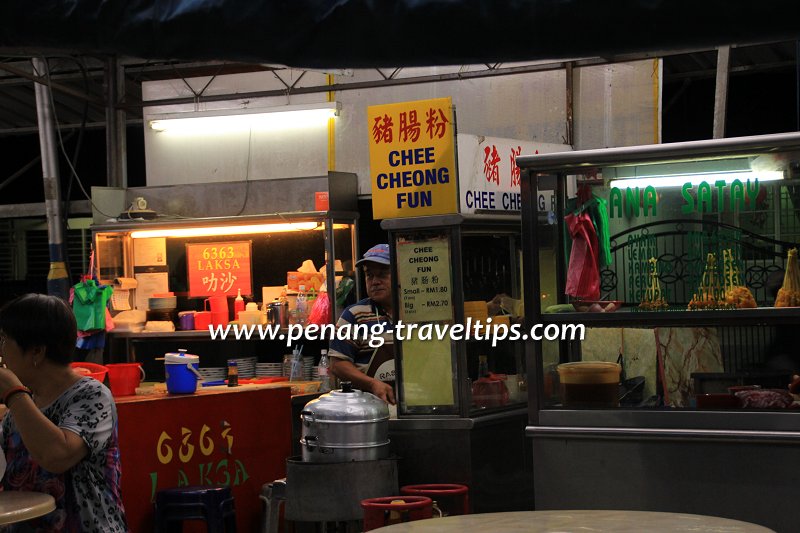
(220, 409)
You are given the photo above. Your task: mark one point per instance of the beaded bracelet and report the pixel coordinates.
(14, 390)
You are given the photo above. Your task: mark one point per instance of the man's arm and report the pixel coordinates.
(347, 371)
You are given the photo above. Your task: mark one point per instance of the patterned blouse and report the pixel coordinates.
(88, 495)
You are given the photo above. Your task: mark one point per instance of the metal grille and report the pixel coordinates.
(7, 251)
(79, 242)
(745, 348)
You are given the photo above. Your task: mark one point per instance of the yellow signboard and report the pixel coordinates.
(423, 271)
(412, 159)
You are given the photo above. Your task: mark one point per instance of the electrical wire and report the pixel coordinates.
(247, 172)
(79, 142)
(61, 141)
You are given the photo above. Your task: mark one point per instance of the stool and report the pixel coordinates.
(450, 492)
(378, 511)
(213, 504)
(273, 495)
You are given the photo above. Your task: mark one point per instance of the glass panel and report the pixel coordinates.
(110, 256)
(490, 265)
(696, 247)
(426, 359)
(346, 275)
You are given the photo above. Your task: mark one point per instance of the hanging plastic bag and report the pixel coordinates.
(89, 304)
(321, 310)
(583, 274)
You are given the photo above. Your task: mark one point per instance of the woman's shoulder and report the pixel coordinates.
(87, 388)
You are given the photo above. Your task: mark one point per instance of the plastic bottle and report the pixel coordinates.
(233, 374)
(324, 372)
(238, 305)
(301, 307)
(483, 366)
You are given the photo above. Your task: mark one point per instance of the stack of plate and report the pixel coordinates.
(308, 365)
(269, 370)
(213, 373)
(246, 366)
(168, 303)
(314, 373)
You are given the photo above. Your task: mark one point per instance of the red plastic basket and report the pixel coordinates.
(96, 371)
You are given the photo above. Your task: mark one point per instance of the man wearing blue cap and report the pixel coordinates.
(368, 368)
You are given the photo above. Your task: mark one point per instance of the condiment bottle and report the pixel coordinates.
(233, 374)
(238, 305)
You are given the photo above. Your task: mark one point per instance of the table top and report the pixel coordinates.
(561, 521)
(17, 506)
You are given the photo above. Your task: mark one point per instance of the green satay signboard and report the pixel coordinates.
(636, 201)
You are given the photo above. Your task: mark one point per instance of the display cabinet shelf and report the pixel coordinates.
(632, 318)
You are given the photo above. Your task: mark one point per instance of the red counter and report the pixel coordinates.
(239, 437)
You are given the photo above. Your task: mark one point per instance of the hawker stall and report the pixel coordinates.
(676, 277)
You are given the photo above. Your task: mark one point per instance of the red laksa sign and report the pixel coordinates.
(219, 268)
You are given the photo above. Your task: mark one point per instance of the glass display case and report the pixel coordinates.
(461, 389)
(201, 259)
(670, 360)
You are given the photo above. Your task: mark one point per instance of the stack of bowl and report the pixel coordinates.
(162, 309)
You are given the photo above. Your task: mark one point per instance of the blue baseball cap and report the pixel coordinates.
(377, 254)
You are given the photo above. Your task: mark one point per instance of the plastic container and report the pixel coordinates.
(92, 370)
(123, 378)
(186, 320)
(589, 384)
(181, 371)
(202, 319)
(250, 316)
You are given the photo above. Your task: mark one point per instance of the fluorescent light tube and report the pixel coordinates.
(695, 179)
(236, 120)
(245, 229)
(209, 231)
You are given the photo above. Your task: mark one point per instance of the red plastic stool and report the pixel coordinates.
(379, 512)
(450, 493)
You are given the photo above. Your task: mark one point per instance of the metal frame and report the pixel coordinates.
(456, 226)
(628, 422)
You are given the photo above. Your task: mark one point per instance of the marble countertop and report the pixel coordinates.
(577, 521)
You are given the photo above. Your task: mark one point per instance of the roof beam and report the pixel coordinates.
(49, 83)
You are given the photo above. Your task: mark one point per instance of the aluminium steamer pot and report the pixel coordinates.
(345, 425)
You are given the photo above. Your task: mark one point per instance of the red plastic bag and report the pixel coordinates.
(583, 274)
(321, 310)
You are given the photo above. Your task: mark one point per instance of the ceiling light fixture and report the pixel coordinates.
(679, 180)
(234, 120)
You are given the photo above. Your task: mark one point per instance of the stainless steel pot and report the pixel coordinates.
(278, 313)
(345, 425)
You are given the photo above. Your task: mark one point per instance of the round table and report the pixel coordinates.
(18, 506)
(570, 521)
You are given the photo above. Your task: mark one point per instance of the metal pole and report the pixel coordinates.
(721, 91)
(115, 125)
(57, 277)
(570, 105)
